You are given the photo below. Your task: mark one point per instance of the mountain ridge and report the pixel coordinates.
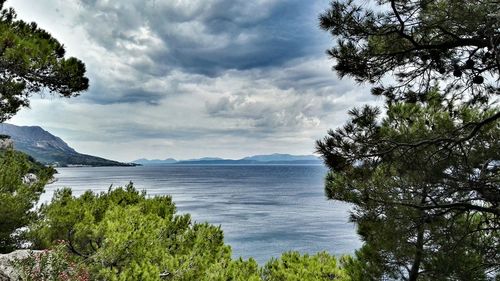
(275, 158)
(50, 149)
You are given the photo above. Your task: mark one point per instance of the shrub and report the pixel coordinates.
(122, 234)
(18, 196)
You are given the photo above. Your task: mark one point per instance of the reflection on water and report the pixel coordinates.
(263, 210)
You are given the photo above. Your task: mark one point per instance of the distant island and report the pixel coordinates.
(275, 158)
(51, 150)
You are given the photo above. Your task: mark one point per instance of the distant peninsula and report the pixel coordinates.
(49, 149)
(267, 159)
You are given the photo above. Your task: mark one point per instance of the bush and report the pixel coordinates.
(122, 234)
(18, 195)
(295, 267)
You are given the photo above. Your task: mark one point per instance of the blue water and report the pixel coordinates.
(263, 210)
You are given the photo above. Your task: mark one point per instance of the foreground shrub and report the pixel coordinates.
(295, 267)
(124, 235)
(21, 183)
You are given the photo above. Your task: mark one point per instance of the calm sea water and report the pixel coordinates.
(263, 210)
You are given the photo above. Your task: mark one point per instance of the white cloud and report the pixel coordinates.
(186, 79)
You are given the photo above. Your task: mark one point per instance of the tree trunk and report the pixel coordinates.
(415, 267)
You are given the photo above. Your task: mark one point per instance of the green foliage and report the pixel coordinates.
(31, 61)
(291, 266)
(17, 195)
(237, 270)
(294, 267)
(124, 235)
(418, 44)
(424, 183)
(424, 177)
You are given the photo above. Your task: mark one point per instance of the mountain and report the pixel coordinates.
(250, 160)
(206, 159)
(146, 162)
(276, 157)
(49, 149)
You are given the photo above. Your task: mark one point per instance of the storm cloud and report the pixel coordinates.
(193, 78)
(204, 37)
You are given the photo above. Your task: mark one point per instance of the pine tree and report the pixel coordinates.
(422, 175)
(32, 61)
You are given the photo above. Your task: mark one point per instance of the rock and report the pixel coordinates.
(4, 277)
(6, 144)
(7, 271)
(30, 178)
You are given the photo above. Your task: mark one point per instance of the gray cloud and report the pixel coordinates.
(204, 37)
(297, 96)
(136, 50)
(193, 78)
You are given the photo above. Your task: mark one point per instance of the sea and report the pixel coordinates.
(264, 210)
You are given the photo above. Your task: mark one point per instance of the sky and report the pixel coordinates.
(192, 78)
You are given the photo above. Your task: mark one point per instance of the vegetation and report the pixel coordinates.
(118, 235)
(32, 61)
(21, 183)
(53, 265)
(417, 44)
(435, 206)
(124, 235)
(423, 177)
(293, 266)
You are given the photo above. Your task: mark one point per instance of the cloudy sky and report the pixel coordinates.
(192, 78)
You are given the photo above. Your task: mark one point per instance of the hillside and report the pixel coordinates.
(49, 149)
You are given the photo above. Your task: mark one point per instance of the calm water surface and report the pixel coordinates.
(263, 210)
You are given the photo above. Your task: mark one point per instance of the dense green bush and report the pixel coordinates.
(294, 267)
(124, 235)
(18, 195)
